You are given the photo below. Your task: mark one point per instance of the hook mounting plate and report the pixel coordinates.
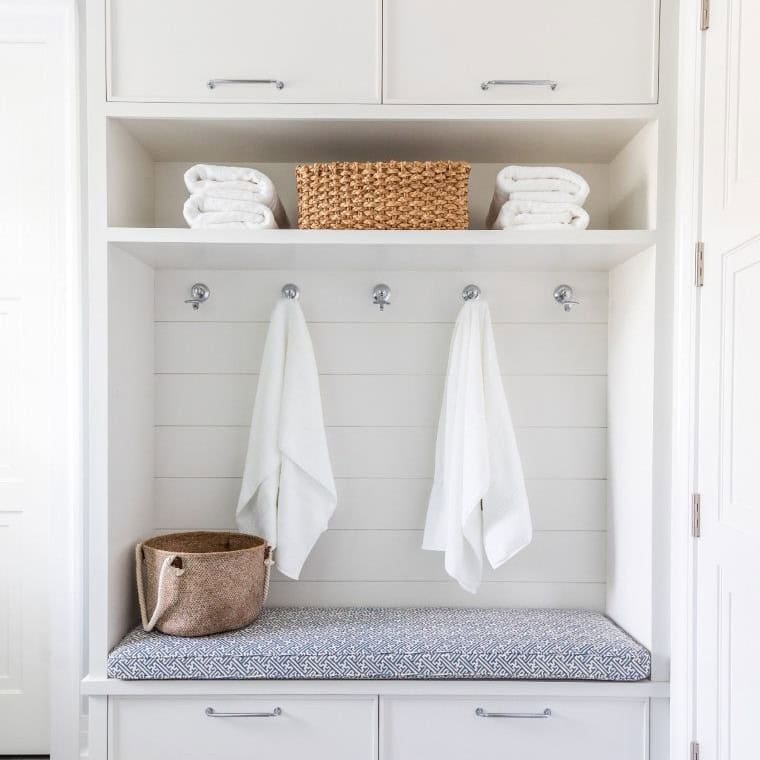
(199, 294)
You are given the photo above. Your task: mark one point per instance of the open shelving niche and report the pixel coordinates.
(147, 154)
(592, 369)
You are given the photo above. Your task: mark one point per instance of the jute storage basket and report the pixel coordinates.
(201, 582)
(393, 195)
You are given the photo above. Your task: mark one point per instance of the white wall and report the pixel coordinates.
(131, 182)
(130, 431)
(631, 428)
(382, 379)
(633, 183)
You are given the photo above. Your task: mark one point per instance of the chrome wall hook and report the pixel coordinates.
(199, 294)
(291, 291)
(470, 293)
(381, 296)
(564, 296)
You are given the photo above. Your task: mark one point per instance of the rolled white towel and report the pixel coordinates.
(221, 181)
(202, 210)
(546, 184)
(536, 215)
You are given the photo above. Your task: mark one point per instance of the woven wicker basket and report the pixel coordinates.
(393, 195)
(201, 582)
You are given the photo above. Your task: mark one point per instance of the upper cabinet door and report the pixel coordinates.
(510, 51)
(310, 52)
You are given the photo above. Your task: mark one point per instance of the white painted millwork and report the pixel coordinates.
(430, 728)
(367, 452)
(350, 348)
(130, 366)
(629, 448)
(94, 686)
(171, 389)
(602, 51)
(355, 250)
(728, 549)
(168, 52)
(323, 728)
(272, 133)
(605, 54)
(34, 371)
(375, 503)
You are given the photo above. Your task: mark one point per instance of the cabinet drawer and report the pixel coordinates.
(430, 728)
(325, 51)
(157, 728)
(598, 51)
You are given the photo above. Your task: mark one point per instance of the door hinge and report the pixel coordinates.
(704, 15)
(694, 751)
(699, 264)
(696, 515)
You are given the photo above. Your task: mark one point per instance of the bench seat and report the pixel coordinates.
(394, 644)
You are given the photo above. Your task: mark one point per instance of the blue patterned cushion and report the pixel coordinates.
(393, 643)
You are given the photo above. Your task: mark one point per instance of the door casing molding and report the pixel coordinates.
(687, 229)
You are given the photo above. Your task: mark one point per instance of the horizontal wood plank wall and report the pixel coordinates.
(382, 380)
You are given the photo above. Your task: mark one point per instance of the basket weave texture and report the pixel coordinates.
(392, 195)
(212, 581)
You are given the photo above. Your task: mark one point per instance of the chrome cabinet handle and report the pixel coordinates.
(211, 713)
(481, 713)
(213, 83)
(550, 83)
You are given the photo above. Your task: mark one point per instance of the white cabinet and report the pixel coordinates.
(433, 51)
(430, 728)
(346, 727)
(321, 52)
(320, 728)
(597, 51)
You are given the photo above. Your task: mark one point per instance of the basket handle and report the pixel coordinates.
(161, 604)
(268, 562)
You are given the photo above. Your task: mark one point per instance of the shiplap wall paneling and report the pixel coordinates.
(382, 377)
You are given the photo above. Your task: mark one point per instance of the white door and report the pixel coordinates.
(31, 199)
(325, 51)
(597, 51)
(728, 552)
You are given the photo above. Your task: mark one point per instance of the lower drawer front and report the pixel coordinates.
(152, 728)
(433, 728)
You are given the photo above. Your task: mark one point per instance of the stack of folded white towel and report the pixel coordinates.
(232, 196)
(538, 198)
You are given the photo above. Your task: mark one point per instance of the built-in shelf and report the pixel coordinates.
(93, 685)
(292, 133)
(565, 250)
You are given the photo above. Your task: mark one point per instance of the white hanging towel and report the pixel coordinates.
(288, 493)
(238, 183)
(478, 502)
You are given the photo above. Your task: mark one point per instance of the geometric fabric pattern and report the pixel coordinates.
(394, 644)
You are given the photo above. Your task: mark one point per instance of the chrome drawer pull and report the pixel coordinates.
(214, 714)
(212, 83)
(481, 713)
(527, 82)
